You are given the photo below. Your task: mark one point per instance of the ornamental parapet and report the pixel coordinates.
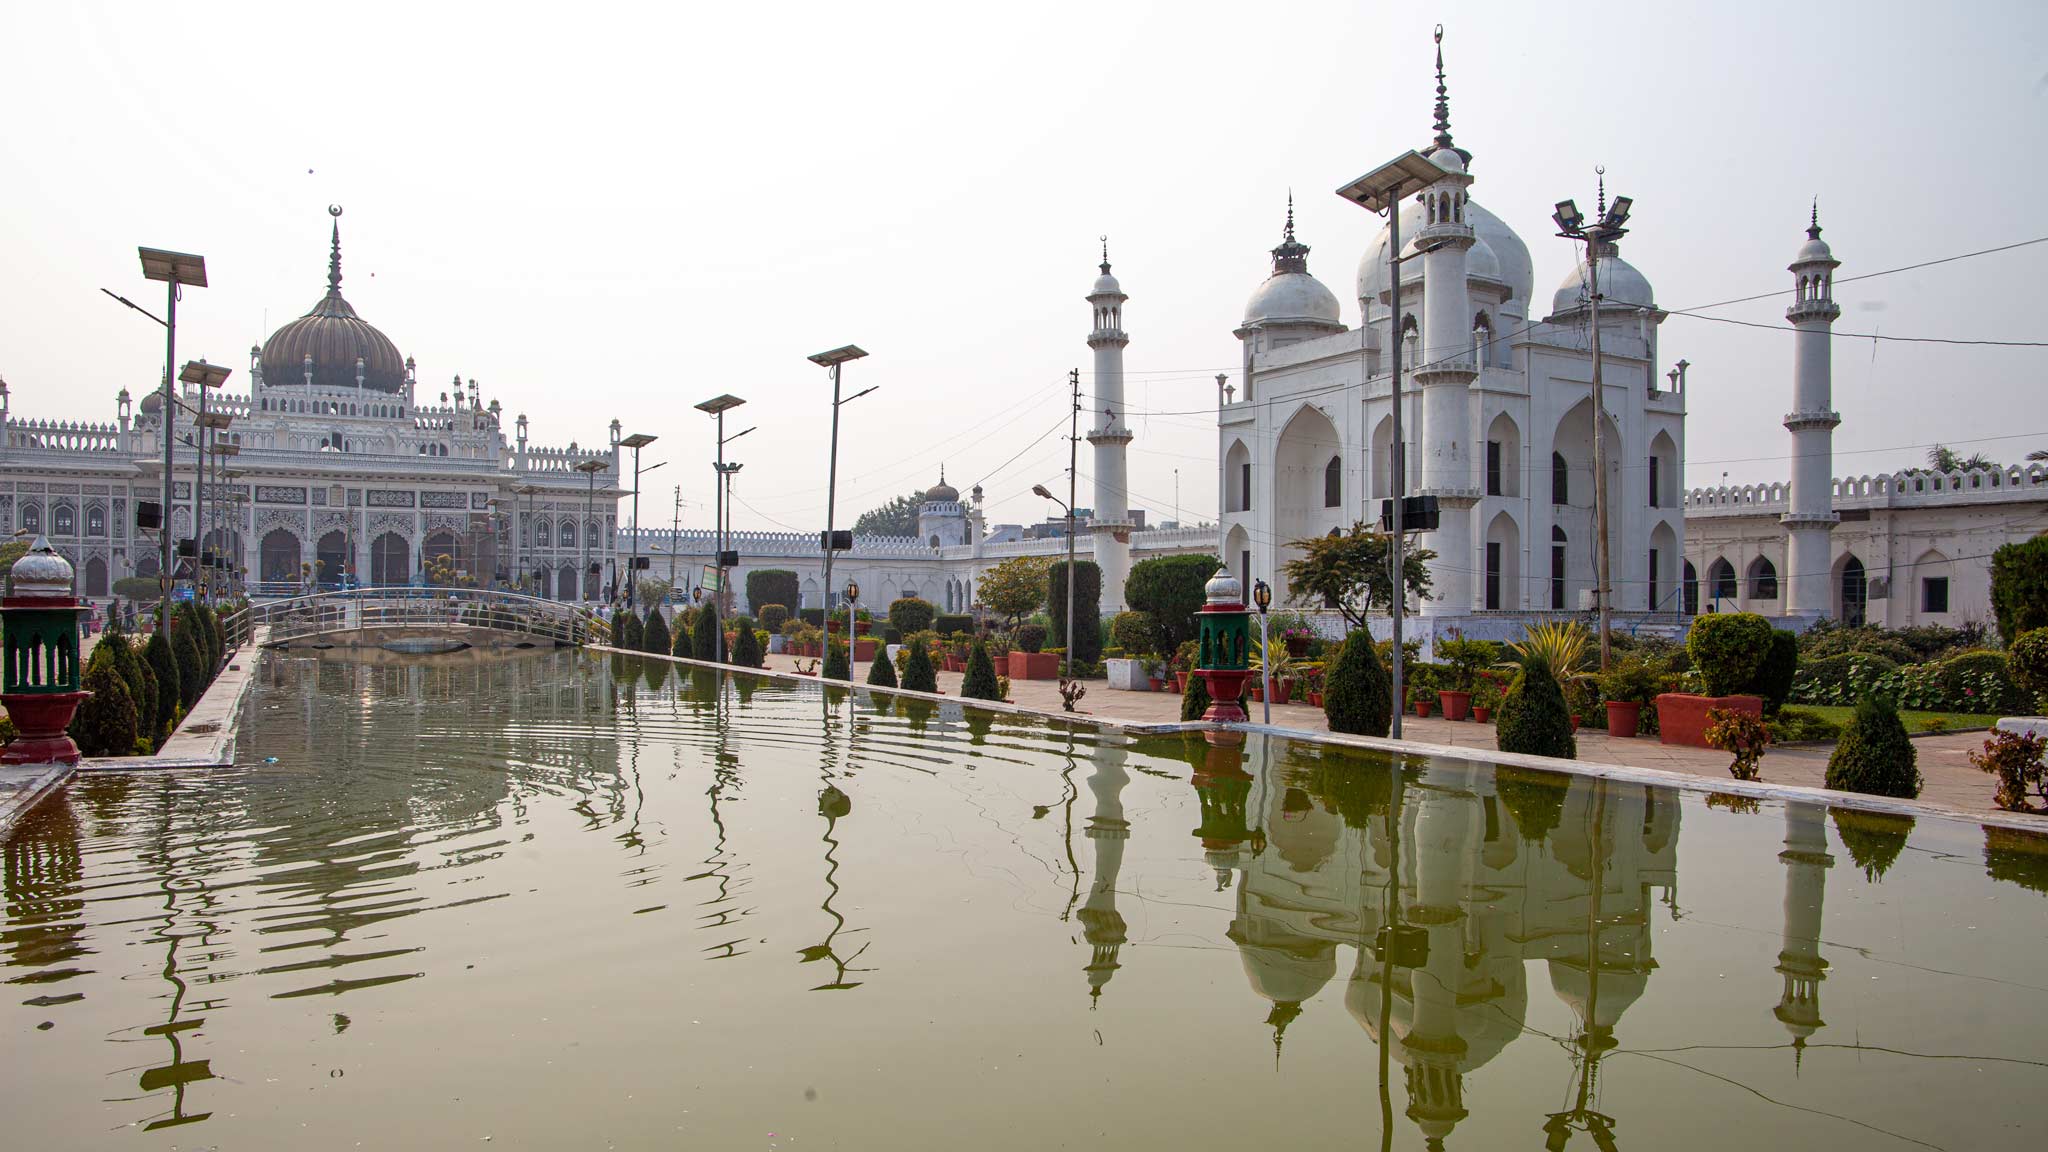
(1448, 370)
(1813, 310)
(1810, 519)
(1453, 497)
(1908, 489)
(1802, 421)
(1108, 338)
(1111, 436)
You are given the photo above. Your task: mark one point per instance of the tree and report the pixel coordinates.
(1728, 650)
(918, 673)
(2019, 586)
(1170, 590)
(626, 630)
(654, 635)
(1015, 588)
(704, 635)
(1087, 610)
(911, 614)
(141, 686)
(192, 678)
(837, 665)
(746, 644)
(1942, 458)
(1358, 696)
(773, 586)
(1533, 718)
(1349, 572)
(1874, 755)
(896, 518)
(163, 664)
(980, 681)
(882, 672)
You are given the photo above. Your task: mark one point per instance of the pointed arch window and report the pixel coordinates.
(1721, 581)
(1560, 479)
(1333, 483)
(1558, 541)
(1763, 579)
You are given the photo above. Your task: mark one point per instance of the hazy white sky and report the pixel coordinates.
(603, 211)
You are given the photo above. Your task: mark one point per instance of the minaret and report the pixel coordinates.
(1806, 863)
(1101, 924)
(1109, 430)
(1812, 424)
(1445, 369)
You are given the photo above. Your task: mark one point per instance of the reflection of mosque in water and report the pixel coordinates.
(1445, 882)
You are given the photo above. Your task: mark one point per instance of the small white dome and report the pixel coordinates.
(41, 574)
(1447, 159)
(1511, 257)
(1814, 251)
(1223, 588)
(1291, 297)
(1106, 285)
(1620, 286)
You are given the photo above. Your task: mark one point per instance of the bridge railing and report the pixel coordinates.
(328, 613)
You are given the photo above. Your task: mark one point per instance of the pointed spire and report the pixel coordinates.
(1292, 254)
(1443, 100)
(334, 257)
(1105, 254)
(1601, 171)
(1813, 229)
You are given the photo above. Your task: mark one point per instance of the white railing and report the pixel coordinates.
(330, 613)
(1895, 490)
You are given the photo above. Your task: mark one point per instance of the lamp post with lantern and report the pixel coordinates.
(1262, 599)
(852, 627)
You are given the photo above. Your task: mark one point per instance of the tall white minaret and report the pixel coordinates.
(1812, 424)
(1445, 369)
(1109, 430)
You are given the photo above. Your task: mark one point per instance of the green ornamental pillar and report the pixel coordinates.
(1226, 642)
(39, 668)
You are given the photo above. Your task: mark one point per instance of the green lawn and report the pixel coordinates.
(1915, 721)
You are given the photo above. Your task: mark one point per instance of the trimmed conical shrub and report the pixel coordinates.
(163, 664)
(1194, 700)
(191, 664)
(105, 723)
(980, 682)
(1533, 718)
(141, 687)
(836, 662)
(1874, 755)
(626, 631)
(1358, 697)
(920, 676)
(654, 634)
(882, 672)
(704, 636)
(746, 645)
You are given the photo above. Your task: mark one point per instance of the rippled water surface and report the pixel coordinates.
(556, 901)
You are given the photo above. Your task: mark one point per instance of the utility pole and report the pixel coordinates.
(1073, 451)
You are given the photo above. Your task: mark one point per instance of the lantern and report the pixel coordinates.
(39, 681)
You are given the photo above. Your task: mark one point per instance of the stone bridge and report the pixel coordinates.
(415, 619)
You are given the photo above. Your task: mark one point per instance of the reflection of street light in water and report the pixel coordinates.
(833, 804)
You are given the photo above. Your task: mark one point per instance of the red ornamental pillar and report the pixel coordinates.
(39, 679)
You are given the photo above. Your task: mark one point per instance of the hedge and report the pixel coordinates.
(773, 617)
(911, 614)
(1728, 649)
(746, 644)
(1171, 589)
(705, 640)
(767, 586)
(1137, 634)
(1842, 678)
(2026, 660)
(882, 672)
(1087, 609)
(105, 722)
(918, 673)
(1030, 637)
(2019, 586)
(838, 666)
(654, 634)
(1774, 676)
(946, 624)
(980, 681)
(163, 665)
(1533, 719)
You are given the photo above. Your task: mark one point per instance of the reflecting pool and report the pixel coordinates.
(562, 901)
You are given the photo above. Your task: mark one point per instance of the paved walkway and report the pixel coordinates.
(1951, 781)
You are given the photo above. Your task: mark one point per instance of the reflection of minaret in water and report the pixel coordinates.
(1445, 843)
(1806, 862)
(1101, 924)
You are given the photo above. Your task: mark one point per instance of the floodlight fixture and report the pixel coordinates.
(592, 466)
(1569, 219)
(1617, 212)
(837, 356)
(173, 267)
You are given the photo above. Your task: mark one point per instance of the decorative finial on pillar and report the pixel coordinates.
(1292, 254)
(334, 257)
(1813, 229)
(1600, 170)
(1105, 254)
(1289, 234)
(1443, 100)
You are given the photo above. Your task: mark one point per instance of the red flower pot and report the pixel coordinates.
(1457, 705)
(1622, 716)
(1481, 713)
(1180, 683)
(1422, 708)
(863, 649)
(860, 627)
(1682, 717)
(1297, 646)
(1575, 724)
(1258, 691)
(1158, 684)
(39, 723)
(1034, 666)
(1315, 699)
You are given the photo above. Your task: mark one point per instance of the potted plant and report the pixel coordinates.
(1486, 696)
(1422, 699)
(1297, 640)
(1465, 658)
(863, 620)
(1155, 671)
(1628, 685)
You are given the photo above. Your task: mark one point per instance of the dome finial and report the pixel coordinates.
(1600, 170)
(1813, 229)
(1443, 101)
(334, 257)
(1292, 254)
(1288, 235)
(1105, 253)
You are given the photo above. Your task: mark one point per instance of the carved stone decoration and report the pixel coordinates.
(389, 498)
(441, 521)
(325, 522)
(355, 497)
(181, 489)
(382, 522)
(479, 501)
(443, 500)
(268, 519)
(273, 494)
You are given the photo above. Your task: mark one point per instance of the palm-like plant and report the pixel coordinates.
(2038, 454)
(1560, 646)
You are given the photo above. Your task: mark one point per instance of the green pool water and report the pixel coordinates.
(562, 901)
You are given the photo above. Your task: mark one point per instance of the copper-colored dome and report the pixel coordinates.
(335, 337)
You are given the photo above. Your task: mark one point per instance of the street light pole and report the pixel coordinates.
(1262, 599)
(717, 406)
(175, 269)
(834, 360)
(636, 441)
(589, 468)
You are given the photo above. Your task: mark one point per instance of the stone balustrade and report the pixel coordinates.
(1913, 488)
(63, 435)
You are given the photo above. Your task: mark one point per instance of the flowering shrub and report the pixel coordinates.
(2015, 759)
(1742, 734)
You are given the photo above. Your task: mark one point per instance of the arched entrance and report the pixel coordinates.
(442, 549)
(565, 583)
(1503, 570)
(331, 553)
(96, 577)
(1852, 592)
(279, 557)
(1692, 590)
(390, 560)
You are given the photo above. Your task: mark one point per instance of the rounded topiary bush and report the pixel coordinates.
(1136, 633)
(1774, 676)
(2027, 661)
(918, 673)
(773, 617)
(1029, 637)
(911, 614)
(105, 723)
(980, 681)
(1358, 697)
(1533, 719)
(1728, 649)
(1874, 756)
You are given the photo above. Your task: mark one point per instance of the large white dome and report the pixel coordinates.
(1620, 286)
(1291, 297)
(1505, 259)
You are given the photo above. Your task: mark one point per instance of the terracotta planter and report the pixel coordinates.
(1422, 709)
(1034, 666)
(861, 627)
(1315, 699)
(1297, 646)
(1622, 716)
(1575, 725)
(832, 627)
(1180, 683)
(1482, 713)
(1682, 717)
(1258, 691)
(1457, 705)
(864, 649)
(1158, 684)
